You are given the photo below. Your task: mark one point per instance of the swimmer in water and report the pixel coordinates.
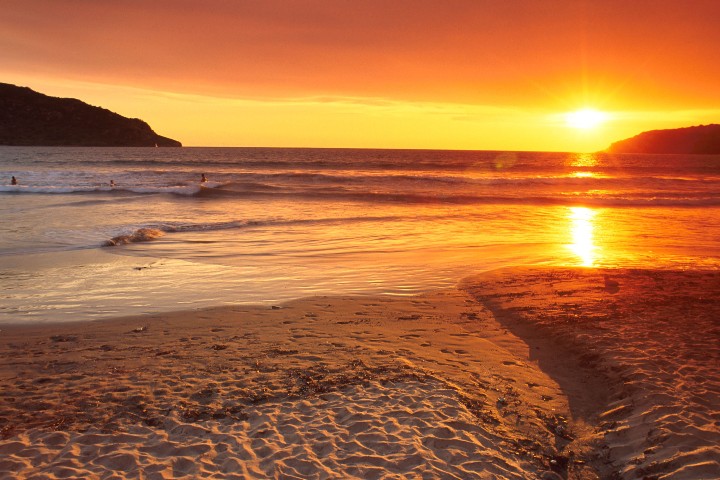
(13, 181)
(203, 179)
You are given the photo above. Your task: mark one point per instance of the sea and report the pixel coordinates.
(93, 233)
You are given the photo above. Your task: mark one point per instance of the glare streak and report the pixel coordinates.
(581, 230)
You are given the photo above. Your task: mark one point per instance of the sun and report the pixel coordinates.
(585, 119)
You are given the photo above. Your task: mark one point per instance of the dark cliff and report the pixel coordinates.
(29, 118)
(702, 139)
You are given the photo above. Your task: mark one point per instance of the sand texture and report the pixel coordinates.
(653, 335)
(520, 374)
(425, 387)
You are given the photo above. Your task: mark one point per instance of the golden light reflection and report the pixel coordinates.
(584, 160)
(581, 229)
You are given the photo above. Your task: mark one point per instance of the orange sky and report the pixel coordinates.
(484, 74)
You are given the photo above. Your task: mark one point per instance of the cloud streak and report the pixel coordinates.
(457, 51)
(472, 70)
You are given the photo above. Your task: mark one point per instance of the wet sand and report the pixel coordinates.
(653, 336)
(520, 373)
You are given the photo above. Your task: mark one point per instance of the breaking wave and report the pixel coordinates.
(139, 235)
(64, 189)
(643, 199)
(148, 233)
(540, 192)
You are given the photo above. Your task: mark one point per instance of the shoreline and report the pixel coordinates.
(462, 382)
(652, 335)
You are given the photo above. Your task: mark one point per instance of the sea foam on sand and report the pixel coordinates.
(538, 373)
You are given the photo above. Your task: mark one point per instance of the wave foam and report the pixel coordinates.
(187, 190)
(140, 235)
(147, 234)
(408, 189)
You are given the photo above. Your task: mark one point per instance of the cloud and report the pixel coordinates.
(464, 51)
(407, 73)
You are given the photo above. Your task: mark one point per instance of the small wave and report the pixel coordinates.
(149, 233)
(440, 185)
(186, 190)
(51, 189)
(205, 227)
(140, 235)
(644, 199)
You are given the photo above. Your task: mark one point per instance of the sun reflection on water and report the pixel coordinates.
(581, 165)
(584, 160)
(582, 231)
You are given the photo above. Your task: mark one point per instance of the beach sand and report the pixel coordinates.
(519, 373)
(653, 335)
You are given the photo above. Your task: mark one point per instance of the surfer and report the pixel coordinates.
(202, 180)
(13, 181)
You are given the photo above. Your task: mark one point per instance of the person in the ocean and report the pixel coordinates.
(13, 181)
(203, 179)
(112, 183)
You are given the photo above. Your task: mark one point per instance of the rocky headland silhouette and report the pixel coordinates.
(29, 118)
(700, 139)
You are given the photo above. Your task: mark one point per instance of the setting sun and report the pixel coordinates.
(586, 118)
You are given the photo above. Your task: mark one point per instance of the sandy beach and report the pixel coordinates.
(518, 373)
(652, 336)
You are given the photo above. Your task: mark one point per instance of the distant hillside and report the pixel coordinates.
(702, 139)
(29, 118)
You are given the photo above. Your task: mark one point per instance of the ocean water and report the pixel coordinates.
(271, 225)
